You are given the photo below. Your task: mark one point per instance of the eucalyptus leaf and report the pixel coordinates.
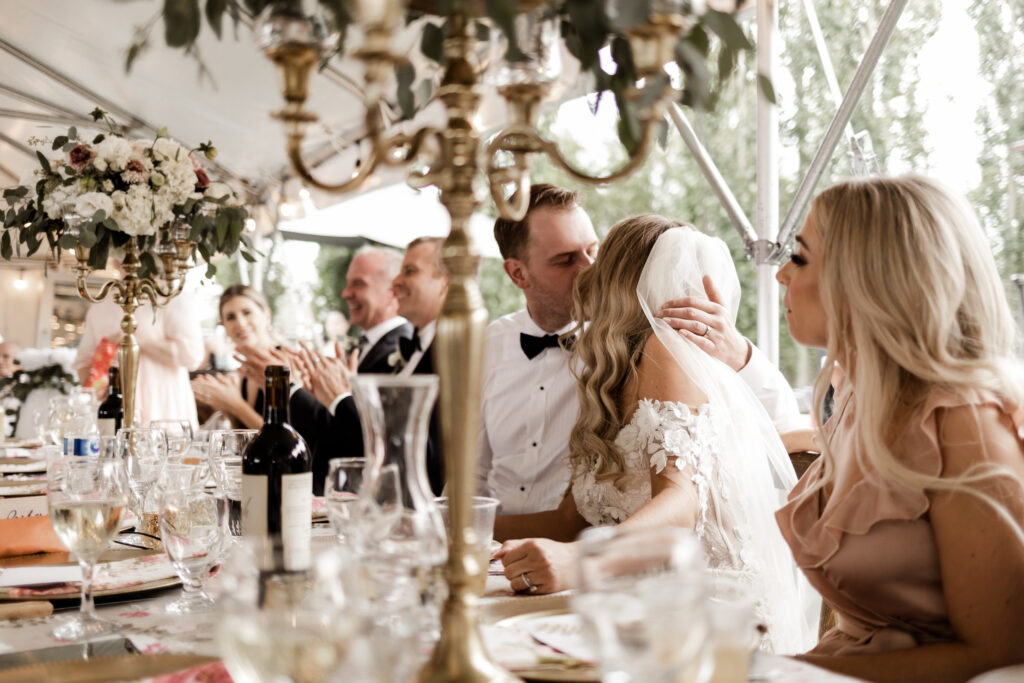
(404, 75)
(432, 41)
(98, 254)
(181, 22)
(67, 241)
(98, 139)
(503, 13)
(221, 227)
(148, 263)
(727, 29)
(215, 14)
(59, 142)
(6, 250)
(765, 85)
(87, 235)
(73, 133)
(43, 161)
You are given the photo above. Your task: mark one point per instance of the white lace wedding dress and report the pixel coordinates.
(667, 434)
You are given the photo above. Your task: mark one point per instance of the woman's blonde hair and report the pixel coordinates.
(913, 302)
(608, 348)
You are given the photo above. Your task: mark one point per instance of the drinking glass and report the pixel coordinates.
(192, 531)
(312, 631)
(227, 446)
(144, 452)
(178, 434)
(734, 633)
(86, 496)
(363, 506)
(641, 600)
(483, 512)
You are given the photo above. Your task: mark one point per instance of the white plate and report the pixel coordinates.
(10, 465)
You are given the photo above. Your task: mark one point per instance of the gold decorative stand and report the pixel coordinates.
(174, 250)
(449, 158)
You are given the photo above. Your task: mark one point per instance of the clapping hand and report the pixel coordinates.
(220, 392)
(328, 377)
(708, 324)
(255, 361)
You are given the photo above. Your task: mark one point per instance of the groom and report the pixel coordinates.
(529, 401)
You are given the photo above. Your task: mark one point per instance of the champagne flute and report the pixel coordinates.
(86, 496)
(192, 531)
(144, 452)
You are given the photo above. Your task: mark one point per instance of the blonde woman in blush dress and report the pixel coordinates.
(666, 434)
(910, 524)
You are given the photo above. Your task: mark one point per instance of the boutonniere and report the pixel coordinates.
(396, 360)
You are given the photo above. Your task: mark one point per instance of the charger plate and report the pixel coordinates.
(11, 465)
(120, 572)
(119, 668)
(512, 611)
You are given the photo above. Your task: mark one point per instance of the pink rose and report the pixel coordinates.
(202, 180)
(135, 172)
(80, 157)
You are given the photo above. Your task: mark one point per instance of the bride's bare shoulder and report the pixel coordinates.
(660, 376)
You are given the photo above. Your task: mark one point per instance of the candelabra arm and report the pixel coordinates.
(83, 289)
(151, 290)
(359, 176)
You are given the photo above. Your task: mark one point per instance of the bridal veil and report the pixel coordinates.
(755, 472)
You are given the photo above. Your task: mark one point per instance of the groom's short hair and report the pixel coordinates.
(512, 236)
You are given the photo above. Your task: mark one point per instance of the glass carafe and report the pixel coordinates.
(406, 566)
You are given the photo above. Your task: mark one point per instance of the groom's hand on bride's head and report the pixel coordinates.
(708, 324)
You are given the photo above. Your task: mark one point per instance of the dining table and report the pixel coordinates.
(535, 636)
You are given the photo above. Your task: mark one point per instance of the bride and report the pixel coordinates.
(666, 435)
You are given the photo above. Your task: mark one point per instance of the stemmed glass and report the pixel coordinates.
(227, 446)
(178, 434)
(364, 507)
(144, 452)
(192, 531)
(87, 497)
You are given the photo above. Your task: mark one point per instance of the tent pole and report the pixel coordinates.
(714, 178)
(767, 182)
(839, 121)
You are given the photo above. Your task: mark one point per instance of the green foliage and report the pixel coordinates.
(23, 382)
(999, 197)
(670, 182)
(331, 267)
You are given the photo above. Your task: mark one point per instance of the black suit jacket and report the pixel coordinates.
(340, 435)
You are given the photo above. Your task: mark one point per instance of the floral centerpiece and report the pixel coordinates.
(119, 190)
(37, 369)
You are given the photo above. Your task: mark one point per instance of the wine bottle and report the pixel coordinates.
(111, 412)
(277, 484)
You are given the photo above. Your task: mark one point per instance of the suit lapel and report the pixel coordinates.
(376, 359)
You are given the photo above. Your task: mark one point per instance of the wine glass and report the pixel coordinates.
(227, 446)
(192, 531)
(86, 496)
(178, 434)
(144, 452)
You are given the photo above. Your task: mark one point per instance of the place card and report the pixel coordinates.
(23, 506)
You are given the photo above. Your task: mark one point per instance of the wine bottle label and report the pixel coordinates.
(254, 505)
(296, 519)
(107, 426)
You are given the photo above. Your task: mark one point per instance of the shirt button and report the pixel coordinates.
(534, 444)
(542, 388)
(522, 488)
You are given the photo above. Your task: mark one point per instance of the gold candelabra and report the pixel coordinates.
(174, 250)
(449, 158)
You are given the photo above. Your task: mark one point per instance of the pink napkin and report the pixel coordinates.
(214, 672)
(28, 535)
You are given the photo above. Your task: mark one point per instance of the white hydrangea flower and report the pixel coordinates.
(89, 203)
(53, 202)
(165, 149)
(134, 216)
(113, 152)
(218, 190)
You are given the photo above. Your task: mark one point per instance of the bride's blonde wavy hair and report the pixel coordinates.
(608, 349)
(913, 302)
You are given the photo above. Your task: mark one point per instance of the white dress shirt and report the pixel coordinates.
(773, 391)
(529, 407)
(426, 339)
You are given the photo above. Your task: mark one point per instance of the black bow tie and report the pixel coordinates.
(532, 346)
(407, 346)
